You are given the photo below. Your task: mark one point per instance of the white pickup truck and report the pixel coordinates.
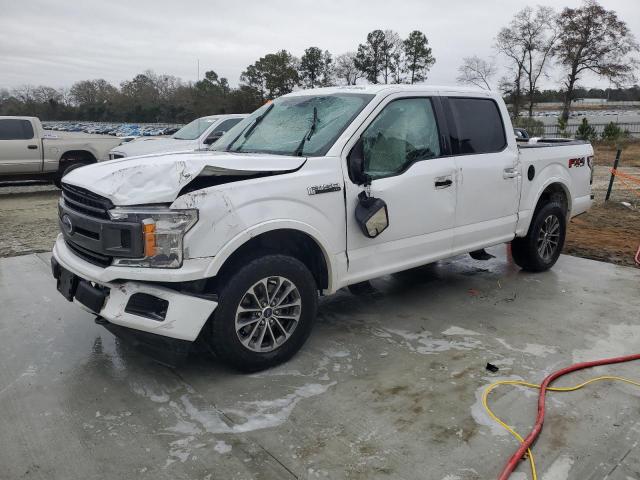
(28, 152)
(316, 191)
(196, 135)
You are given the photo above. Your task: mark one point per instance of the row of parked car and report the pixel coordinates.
(114, 129)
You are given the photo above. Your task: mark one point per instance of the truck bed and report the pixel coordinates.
(568, 162)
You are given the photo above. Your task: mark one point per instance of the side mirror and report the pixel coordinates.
(355, 163)
(372, 215)
(211, 139)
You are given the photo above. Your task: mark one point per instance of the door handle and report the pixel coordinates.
(510, 173)
(32, 147)
(443, 182)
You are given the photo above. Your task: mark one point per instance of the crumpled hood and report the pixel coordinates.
(160, 178)
(145, 146)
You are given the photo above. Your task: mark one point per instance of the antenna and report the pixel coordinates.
(197, 80)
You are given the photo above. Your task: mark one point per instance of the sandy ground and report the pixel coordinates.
(609, 232)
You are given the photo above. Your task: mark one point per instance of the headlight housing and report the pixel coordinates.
(163, 231)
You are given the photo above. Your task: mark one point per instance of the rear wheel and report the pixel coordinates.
(265, 313)
(540, 249)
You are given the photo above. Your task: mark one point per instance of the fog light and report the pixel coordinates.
(148, 306)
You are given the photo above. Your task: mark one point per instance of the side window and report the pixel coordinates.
(14, 129)
(479, 124)
(404, 132)
(225, 125)
(220, 130)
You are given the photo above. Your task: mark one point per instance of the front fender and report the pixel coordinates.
(273, 225)
(233, 213)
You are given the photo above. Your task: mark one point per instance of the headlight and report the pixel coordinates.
(163, 230)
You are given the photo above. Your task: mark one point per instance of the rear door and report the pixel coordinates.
(487, 173)
(20, 150)
(412, 171)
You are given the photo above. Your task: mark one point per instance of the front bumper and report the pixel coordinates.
(183, 317)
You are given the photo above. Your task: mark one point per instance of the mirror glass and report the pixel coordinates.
(378, 222)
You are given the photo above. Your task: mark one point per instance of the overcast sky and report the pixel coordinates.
(56, 43)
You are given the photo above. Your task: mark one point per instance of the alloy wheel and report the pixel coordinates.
(549, 238)
(268, 313)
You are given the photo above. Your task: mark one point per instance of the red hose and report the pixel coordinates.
(518, 455)
(637, 257)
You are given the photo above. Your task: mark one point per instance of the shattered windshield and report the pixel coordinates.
(193, 130)
(279, 127)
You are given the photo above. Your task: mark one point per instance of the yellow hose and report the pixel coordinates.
(522, 383)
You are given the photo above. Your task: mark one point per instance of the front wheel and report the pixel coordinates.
(265, 313)
(540, 249)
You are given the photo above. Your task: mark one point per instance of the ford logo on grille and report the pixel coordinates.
(66, 224)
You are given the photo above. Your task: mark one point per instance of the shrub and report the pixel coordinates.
(562, 128)
(535, 128)
(613, 133)
(586, 131)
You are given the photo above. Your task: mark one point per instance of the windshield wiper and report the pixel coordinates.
(249, 130)
(307, 136)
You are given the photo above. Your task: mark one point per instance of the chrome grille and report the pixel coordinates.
(86, 202)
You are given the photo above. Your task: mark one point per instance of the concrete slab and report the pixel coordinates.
(388, 386)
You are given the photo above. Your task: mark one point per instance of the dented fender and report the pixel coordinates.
(233, 213)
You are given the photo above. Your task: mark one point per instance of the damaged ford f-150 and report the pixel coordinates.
(317, 190)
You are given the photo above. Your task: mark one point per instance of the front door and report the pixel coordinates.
(20, 151)
(406, 158)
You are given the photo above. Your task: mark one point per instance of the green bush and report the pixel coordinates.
(613, 133)
(562, 128)
(535, 128)
(586, 131)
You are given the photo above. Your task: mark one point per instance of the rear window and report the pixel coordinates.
(13, 129)
(479, 124)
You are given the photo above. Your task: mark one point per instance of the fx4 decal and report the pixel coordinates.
(577, 162)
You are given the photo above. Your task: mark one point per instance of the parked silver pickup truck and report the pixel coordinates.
(28, 152)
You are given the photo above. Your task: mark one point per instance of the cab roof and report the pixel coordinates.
(375, 89)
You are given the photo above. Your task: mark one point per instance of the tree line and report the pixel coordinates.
(587, 39)
(384, 57)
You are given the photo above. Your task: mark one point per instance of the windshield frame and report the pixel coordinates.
(240, 130)
(209, 122)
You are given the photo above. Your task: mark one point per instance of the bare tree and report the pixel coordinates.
(508, 44)
(391, 57)
(476, 71)
(537, 37)
(595, 40)
(346, 70)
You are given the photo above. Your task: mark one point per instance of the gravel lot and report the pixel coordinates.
(27, 219)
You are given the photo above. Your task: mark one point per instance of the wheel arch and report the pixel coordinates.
(558, 191)
(74, 156)
(553, 187)
(292, 238)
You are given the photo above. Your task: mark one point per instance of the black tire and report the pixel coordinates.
(225, 340)
(526, 251)
(65, 169)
